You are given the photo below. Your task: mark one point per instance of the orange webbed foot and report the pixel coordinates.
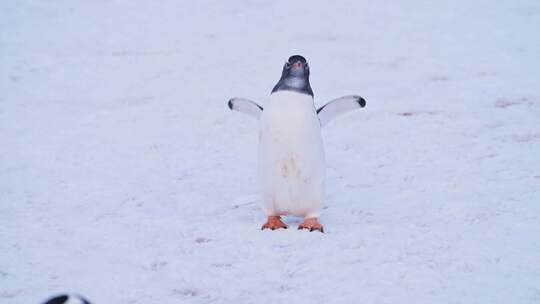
(312, 224)
(274, 222)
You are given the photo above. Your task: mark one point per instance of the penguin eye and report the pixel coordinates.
(287, 65)
(307, 66)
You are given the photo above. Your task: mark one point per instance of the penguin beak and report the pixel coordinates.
(298, 65)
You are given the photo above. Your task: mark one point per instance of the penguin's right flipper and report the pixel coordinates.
(339, 106)
(246, 106)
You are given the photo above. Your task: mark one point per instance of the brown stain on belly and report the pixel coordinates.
(294, 168)
(284, 169)
(289, 167)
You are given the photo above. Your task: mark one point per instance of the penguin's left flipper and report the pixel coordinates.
(246, 106)
(339, 106)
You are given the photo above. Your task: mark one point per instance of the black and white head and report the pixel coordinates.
(67, 299)
(295, 76)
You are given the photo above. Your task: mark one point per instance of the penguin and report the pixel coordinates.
(291, 152)
(67, 299)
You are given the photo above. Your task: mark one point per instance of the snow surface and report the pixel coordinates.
(125, 177)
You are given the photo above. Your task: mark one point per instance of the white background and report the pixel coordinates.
(124, 176)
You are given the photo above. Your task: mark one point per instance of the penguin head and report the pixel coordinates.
(67, 299)
(295, 76)
(296, 66)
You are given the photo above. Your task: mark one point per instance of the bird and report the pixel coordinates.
(291, 151)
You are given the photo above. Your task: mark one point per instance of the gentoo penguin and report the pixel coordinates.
(67, 299)
(291, 154)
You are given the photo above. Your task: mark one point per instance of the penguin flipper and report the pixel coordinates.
(339, 106)
(246, 106)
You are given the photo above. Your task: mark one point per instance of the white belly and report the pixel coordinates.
(291, 156)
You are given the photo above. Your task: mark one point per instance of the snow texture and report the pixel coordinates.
(125, 177)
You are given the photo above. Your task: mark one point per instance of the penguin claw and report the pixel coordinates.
(311, 224)
(273, 223)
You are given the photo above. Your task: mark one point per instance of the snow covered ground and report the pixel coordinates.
(124, 176)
